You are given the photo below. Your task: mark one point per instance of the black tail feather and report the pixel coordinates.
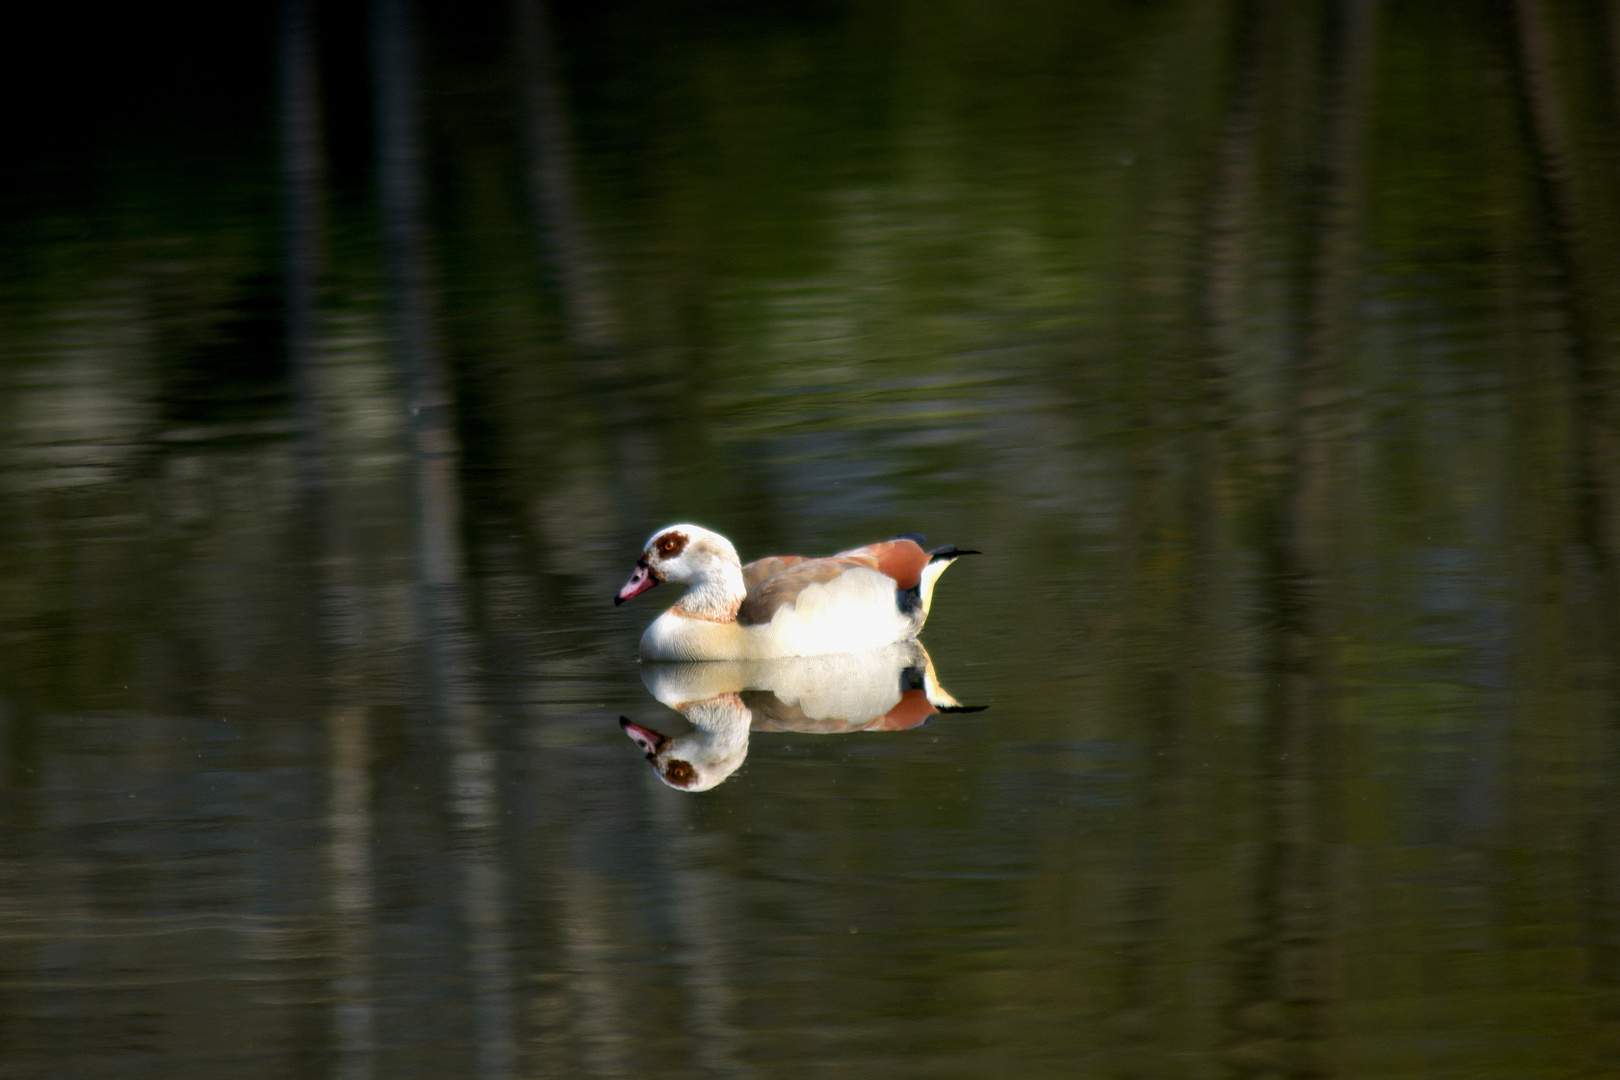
(951, 551)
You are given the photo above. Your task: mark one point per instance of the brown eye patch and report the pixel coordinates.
(671, 544)
(680, 773)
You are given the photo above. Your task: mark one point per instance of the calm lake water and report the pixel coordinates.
(1269, 352)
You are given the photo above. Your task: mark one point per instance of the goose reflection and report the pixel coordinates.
(888, 689)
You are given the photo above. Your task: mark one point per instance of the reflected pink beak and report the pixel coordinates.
(640, 581)
(646, 738)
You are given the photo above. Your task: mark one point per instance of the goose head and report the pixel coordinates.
(704, 756)
(690, 555)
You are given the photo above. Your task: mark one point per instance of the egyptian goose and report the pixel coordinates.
(888, 689)
(785, 605)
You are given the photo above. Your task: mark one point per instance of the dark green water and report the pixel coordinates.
(1270, 352)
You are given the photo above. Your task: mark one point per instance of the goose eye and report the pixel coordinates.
(670, 544)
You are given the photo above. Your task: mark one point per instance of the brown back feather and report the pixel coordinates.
(771, 713)
(778, 580)
(760, 569)
(902, 560)
(913, 710)
(784, 587)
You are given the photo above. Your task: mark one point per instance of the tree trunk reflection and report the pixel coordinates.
(456, 710)
(1286, 1010)
(349, 857)
(1587, 344)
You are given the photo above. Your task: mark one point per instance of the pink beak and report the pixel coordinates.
(646, 738)
(639, 582)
